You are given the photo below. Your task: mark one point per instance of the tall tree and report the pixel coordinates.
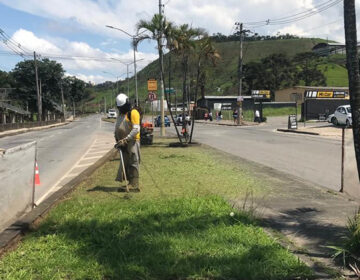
(205, 53)
(159, 28)
(186, 38)
(307, 69)
(352, 59)
(50, 73)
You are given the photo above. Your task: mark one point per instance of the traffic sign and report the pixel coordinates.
(170, 91)
(152, 96)
(152, 85)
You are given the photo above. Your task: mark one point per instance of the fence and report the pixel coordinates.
(17, 169)
(11, 126)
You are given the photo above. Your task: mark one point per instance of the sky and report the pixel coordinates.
(75, 33)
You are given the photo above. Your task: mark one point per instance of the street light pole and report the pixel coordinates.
(134, 41)
(162, 130)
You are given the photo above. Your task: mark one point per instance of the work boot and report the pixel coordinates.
(134, 185)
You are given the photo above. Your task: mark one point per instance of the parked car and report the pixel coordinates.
(330, 118)
(178, 119)
(112, 114)
(157, 121)
(342, 116)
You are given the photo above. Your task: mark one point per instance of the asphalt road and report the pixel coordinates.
(61, 147)
(312, 158)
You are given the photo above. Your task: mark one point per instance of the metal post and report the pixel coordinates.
(162, 130)
(127, 76)
(62, 99)
(33, 187)
(37, 89)
(136, 86)
(342, 159)
(305, 111)
(239, 107)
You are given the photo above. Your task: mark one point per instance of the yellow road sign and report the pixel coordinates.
(152, 85)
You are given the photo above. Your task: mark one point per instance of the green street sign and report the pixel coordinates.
(171, 91)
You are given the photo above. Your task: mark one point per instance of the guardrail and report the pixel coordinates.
(12, 126)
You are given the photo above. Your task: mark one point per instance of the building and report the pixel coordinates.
(224, 103)
(288, 94)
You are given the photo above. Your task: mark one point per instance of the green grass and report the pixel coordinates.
(267, 112)
(336, 75)
(178, 227)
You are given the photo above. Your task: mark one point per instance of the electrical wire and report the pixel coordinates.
(295, 17)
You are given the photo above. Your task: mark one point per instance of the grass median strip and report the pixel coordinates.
(178, 227)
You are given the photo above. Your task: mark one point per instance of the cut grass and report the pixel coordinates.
(178, 227)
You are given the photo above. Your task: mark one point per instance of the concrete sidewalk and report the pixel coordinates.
(226, 122)
(309, 216)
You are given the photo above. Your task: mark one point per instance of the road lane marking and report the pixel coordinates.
(93, 149)
(85, 165)
(95, 157)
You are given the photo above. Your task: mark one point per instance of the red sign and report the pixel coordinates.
(152, 96)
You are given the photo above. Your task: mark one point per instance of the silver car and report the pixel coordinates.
(342, 116)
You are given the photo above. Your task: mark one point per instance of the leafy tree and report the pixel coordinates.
(6, 80)
(205, 53)
(279, 72)
(273, 72)
(157, 26)
(49, 72)
(307, 64)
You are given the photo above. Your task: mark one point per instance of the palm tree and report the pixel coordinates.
(186, 37)
(158, 28)
(352, 59)
(205, 52)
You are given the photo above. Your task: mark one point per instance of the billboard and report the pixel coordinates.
(326, 94)
(261, 94)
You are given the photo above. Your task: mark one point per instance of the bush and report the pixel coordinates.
(353, 239)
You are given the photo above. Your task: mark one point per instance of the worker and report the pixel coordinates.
(127, 136)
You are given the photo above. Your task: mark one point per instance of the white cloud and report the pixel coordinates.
(214, 15)
(80, 56)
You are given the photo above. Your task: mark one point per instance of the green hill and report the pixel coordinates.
(222, 79)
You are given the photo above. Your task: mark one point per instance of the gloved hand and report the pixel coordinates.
(121, 143)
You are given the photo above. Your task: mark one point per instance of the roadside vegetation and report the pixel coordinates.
(175, 228)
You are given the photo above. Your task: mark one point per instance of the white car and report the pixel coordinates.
(112, 114)
(342, 116)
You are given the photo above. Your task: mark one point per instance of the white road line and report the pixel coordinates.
(84, 165)
(94, 153)
(95, 157)
(62, 178)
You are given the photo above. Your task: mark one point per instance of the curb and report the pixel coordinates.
(24, 130)
(297, 131)
(224, 124)
(10, 236)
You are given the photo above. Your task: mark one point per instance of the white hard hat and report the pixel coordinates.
(121, 99)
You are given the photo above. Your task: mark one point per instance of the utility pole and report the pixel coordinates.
(240, 75)
(37, 90)
(135, 73)
(162, 130)
(40, 93)
(62, 99)
(352, 64)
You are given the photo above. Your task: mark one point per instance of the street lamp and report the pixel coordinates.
(134, 38)
(127, 70)
(117, 81)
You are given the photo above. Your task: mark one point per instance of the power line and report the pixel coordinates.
(296, 17)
